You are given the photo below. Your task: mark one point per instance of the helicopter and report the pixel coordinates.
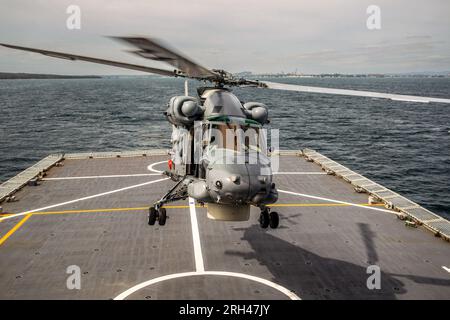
(219, 154)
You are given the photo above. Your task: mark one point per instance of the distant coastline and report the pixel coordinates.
(9, 76)
(248, 74)
(245, 74)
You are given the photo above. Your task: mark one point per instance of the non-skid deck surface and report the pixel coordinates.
(320, 251)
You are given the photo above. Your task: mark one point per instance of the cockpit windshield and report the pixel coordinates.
(235, 137)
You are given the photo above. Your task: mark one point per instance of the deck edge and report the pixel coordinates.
(409, 210)
(31, 174)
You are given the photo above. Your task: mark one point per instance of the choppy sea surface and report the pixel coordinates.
(404, 146)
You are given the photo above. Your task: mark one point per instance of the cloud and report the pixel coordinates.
(262, 36)
(397, 54)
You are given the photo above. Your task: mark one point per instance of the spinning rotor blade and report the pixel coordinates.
(151, 49)
(357, 93)
(74, 57)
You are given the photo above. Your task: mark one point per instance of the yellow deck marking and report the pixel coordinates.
(15, 228)
(198, 206)
(90, 210)
(21, 222)
(104, 210)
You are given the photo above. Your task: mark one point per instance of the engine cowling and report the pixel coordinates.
(183, 110)
(257, 111)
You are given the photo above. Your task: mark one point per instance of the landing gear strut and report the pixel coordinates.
(267, 218)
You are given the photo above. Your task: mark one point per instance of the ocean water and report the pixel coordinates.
(404, 146)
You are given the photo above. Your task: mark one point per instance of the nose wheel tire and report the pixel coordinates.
(264, 219)
(162, 216)
(152, 215)
(274, 220)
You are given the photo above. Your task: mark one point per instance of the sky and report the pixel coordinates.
(236, 35)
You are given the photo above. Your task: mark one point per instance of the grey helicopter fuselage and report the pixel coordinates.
(219, 148)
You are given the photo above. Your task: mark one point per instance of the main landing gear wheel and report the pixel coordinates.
(157, 214)
(264, 219)
(152, 215)
(274, 220)
(162, 216)
(267, 218)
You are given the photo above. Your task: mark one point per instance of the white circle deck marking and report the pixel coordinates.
(150, 167)
(198, 257)
(268, 283)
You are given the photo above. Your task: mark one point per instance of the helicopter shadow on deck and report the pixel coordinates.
(312, 276)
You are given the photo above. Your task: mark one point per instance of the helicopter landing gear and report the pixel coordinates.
(267, 218)
(159, 214)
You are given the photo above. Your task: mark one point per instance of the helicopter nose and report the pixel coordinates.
(228, 185)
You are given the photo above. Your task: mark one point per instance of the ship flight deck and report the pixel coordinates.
(89, 210)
